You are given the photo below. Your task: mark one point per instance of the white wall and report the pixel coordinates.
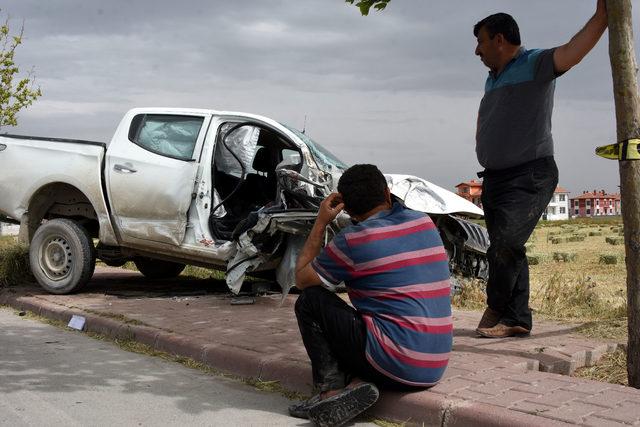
(558, 209)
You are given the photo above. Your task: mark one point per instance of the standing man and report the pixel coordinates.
(514, 145)
(399, 335)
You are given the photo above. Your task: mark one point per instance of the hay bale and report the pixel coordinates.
(576, 238)
(558, 240)
(565, 256)
(595, 233)
(608, 259)
(534, 259)
(528, 247)
(613, 240)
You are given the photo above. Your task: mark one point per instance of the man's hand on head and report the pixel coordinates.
(306, 276)
(330, 208)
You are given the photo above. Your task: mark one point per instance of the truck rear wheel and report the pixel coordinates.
(158, 269)
(62, 256)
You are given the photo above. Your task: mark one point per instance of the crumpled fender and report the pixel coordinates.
(422, 195)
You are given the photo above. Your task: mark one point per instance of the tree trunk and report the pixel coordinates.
(625, 89)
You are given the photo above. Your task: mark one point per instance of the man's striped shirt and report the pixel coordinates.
(396, 272)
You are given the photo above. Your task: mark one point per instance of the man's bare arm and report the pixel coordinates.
(570, 54)
(306, 276)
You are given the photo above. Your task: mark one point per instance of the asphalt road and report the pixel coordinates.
(54, 377)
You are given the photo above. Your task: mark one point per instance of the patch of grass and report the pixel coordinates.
(612, 368)
(387, 423)
(14, 264)
(202, 273)
(574, 299)
(472, 296)
(613, 329)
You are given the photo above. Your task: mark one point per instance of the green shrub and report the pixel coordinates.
(528, 247)
(576, 238)
(595, 233)
(558, 240)
(608, 259)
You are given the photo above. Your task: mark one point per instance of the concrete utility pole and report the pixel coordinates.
(627, 100)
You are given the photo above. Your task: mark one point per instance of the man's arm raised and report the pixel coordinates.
(306, 276)
(571, 53)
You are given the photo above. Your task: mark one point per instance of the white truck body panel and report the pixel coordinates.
(28, 165)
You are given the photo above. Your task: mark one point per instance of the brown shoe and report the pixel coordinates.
(502, 331)
(490, 318)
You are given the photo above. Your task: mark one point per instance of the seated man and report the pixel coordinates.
(396, 271)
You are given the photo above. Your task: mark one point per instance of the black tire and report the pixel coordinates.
(158, 269)
(62, 256)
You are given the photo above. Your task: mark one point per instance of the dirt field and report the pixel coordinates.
(582, 263)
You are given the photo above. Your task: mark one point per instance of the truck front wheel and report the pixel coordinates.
(62, 256)
(158, 269)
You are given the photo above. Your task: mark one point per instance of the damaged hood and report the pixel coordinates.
(422, 195)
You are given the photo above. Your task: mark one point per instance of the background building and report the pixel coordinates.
(558, 208)
(596, 203)
(471, 190)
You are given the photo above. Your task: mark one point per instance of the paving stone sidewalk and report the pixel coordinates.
(515, 381)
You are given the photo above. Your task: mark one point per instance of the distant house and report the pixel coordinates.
(471, 190)
(596, 203)
(558, 208)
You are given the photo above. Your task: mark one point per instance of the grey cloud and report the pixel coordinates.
(398, 88)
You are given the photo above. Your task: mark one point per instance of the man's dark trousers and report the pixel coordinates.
(513, 200)
(335, 337)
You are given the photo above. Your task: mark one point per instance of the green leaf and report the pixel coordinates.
(15, 93)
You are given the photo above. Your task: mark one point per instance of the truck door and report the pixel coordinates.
(151, 172)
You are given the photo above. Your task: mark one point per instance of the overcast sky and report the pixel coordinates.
(399, 88)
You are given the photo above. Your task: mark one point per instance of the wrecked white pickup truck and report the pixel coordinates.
(232, 191)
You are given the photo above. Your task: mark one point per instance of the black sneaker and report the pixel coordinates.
(344, 406)
(301, 409)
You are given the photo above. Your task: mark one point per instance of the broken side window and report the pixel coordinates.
(168, 135)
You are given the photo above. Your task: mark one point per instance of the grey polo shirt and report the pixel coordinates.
(514, 120)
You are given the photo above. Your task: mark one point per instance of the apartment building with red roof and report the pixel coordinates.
(471, 191)
(596, 203)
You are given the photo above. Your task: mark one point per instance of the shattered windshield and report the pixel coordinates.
(326, 160)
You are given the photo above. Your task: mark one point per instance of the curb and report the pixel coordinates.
(423, 408)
